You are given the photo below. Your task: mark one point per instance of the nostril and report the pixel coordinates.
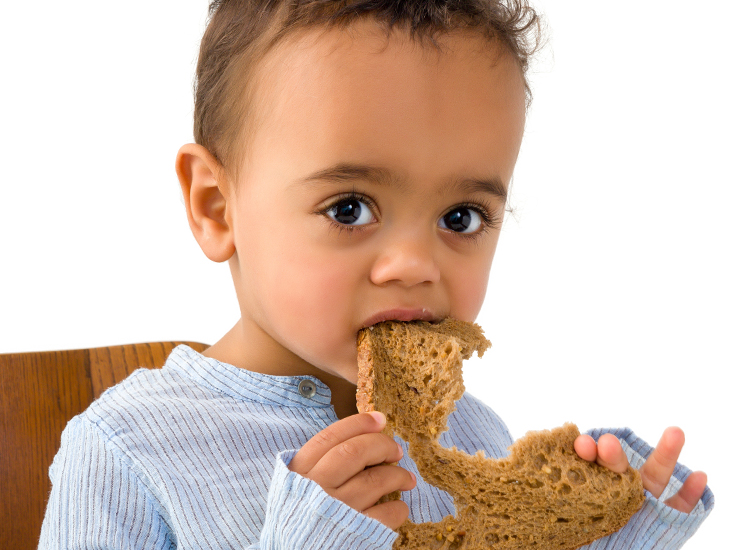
(409, 271)
(407, 256)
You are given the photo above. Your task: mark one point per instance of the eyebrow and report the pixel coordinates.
(344, 172)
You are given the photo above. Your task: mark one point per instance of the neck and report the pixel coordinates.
(232, 349)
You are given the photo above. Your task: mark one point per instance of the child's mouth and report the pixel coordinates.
(401, 314)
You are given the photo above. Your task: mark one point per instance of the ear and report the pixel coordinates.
(206, 192)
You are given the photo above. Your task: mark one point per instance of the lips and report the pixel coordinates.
(422, 314)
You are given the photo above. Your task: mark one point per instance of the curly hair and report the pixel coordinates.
(240, 32)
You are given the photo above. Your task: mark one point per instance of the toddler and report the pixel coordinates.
(352, 164)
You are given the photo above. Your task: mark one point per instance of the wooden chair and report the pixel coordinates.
(39, 394)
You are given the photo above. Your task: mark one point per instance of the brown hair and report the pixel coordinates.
(241, 32)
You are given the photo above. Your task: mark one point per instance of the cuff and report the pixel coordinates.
(655, 525)
(301, 515)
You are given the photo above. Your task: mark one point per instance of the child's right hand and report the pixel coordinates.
(338, 457)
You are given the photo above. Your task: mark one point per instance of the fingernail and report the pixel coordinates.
(400, 452)
(379, 418)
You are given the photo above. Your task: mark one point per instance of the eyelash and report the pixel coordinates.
(343, 228)
(489, 220)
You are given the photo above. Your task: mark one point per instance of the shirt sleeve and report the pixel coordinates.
(655, 525)
(301, 515)
(97, 502)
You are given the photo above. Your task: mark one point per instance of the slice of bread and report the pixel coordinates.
(542, 496)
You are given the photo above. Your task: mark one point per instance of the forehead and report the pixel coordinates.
(343, 93)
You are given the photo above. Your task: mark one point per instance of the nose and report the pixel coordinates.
(407, 260)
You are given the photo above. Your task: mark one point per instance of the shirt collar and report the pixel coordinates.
(244, 384)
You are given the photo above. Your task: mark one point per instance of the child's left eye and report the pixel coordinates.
(462, 220)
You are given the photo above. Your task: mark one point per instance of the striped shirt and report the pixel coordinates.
(194, 456)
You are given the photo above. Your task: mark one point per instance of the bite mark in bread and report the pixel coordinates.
(541, 496)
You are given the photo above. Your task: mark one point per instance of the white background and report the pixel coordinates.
(619, 293)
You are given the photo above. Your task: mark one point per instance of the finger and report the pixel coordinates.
(610, 454)
(689, 494)
(351, 426)
(351, 457)
(658, 469)
(392, 514)
(585, 446)
(607, 452)
(365, 489)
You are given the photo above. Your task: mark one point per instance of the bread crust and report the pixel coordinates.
(541, 496)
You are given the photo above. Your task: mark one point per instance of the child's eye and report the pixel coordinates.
(351, 211)
(462, 220)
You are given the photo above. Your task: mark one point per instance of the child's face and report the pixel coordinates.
(317, 259)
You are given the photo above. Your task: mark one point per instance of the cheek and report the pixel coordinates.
(469, 286)
(471, 297)
(308, 298)
(302, 276)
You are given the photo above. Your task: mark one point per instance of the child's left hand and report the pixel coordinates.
(657, 470)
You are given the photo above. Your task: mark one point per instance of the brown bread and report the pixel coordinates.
(542, 496)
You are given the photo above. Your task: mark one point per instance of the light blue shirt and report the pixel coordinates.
(194, 456)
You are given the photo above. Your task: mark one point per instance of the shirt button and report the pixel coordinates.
(307, 388)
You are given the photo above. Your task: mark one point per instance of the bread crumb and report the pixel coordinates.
(439, 536)
(546, 469)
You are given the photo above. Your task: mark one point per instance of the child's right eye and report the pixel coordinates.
(351, 211)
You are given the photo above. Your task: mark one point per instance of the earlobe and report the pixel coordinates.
(205, 192)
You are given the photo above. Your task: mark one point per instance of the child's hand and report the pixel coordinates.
(338, 457)
(657, 470)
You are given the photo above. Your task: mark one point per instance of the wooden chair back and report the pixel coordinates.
(39, 394)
